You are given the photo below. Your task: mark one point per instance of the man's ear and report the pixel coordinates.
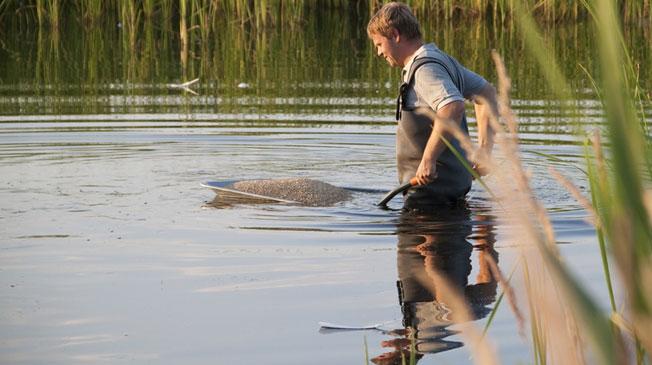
(395, 35)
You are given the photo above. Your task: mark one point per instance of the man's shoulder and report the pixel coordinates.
(430, 50)
(431, 57)
(435, 65)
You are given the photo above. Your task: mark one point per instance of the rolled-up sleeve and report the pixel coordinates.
(434, 85)
(473, 83)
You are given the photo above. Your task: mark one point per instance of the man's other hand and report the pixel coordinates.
(426, 172)
(480, 169)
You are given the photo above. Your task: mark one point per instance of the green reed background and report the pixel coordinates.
(266, 12)
(279, 48)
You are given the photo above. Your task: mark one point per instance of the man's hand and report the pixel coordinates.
(427, 171)
(481, 162)
(480, 169)
(452, 112)
(486, 110)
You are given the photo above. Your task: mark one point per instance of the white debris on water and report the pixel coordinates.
(305, 191)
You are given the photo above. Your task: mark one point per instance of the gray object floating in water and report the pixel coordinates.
(296, 190)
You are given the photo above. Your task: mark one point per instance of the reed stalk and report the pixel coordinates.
(596, 175)
(148, 61)
(545, 304)
(41, 12)
(91, 11)
(266, 13)
(54, 12)
(183, 35)
(48, 12)
(628, 224)
(48, 64)
(93, 51)
(149, 7)
(130, 16)
(567, 299)
(618, 195)
(166, 8)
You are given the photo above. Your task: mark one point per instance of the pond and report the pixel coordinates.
(112, 252)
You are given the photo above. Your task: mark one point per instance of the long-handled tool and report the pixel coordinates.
(226, 187)
(400, 189)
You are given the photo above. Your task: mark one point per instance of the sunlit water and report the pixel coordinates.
(112, 252)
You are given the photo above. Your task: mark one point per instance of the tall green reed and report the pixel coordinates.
(130, 16)
(265, 13)
(149, 7)
(183, 34)
(550, 289)
(90, 11)
(48, 12)
(563, 316)
(620, 195)
(627, 220)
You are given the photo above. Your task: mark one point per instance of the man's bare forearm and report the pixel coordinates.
(486, 109)
(435, 146)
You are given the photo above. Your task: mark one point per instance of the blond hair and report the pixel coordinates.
(397, 16)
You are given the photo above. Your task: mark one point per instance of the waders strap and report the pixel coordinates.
(400, 100)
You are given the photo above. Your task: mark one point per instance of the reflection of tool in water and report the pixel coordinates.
(327, 327)
(290, 191)
(334, 326)
(400, 189)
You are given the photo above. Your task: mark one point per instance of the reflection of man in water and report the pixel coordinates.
(431, 249)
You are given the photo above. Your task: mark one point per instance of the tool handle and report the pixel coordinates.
(413, 182)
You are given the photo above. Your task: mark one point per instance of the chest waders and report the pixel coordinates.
(414, 128)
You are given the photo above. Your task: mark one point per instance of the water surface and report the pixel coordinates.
(112, 253)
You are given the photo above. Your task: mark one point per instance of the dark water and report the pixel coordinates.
(111, 252)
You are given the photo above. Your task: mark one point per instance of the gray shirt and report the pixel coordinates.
(433, 86)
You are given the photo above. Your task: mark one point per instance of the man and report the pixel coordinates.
(432, 93)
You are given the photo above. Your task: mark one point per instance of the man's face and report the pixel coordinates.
(387, 48)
